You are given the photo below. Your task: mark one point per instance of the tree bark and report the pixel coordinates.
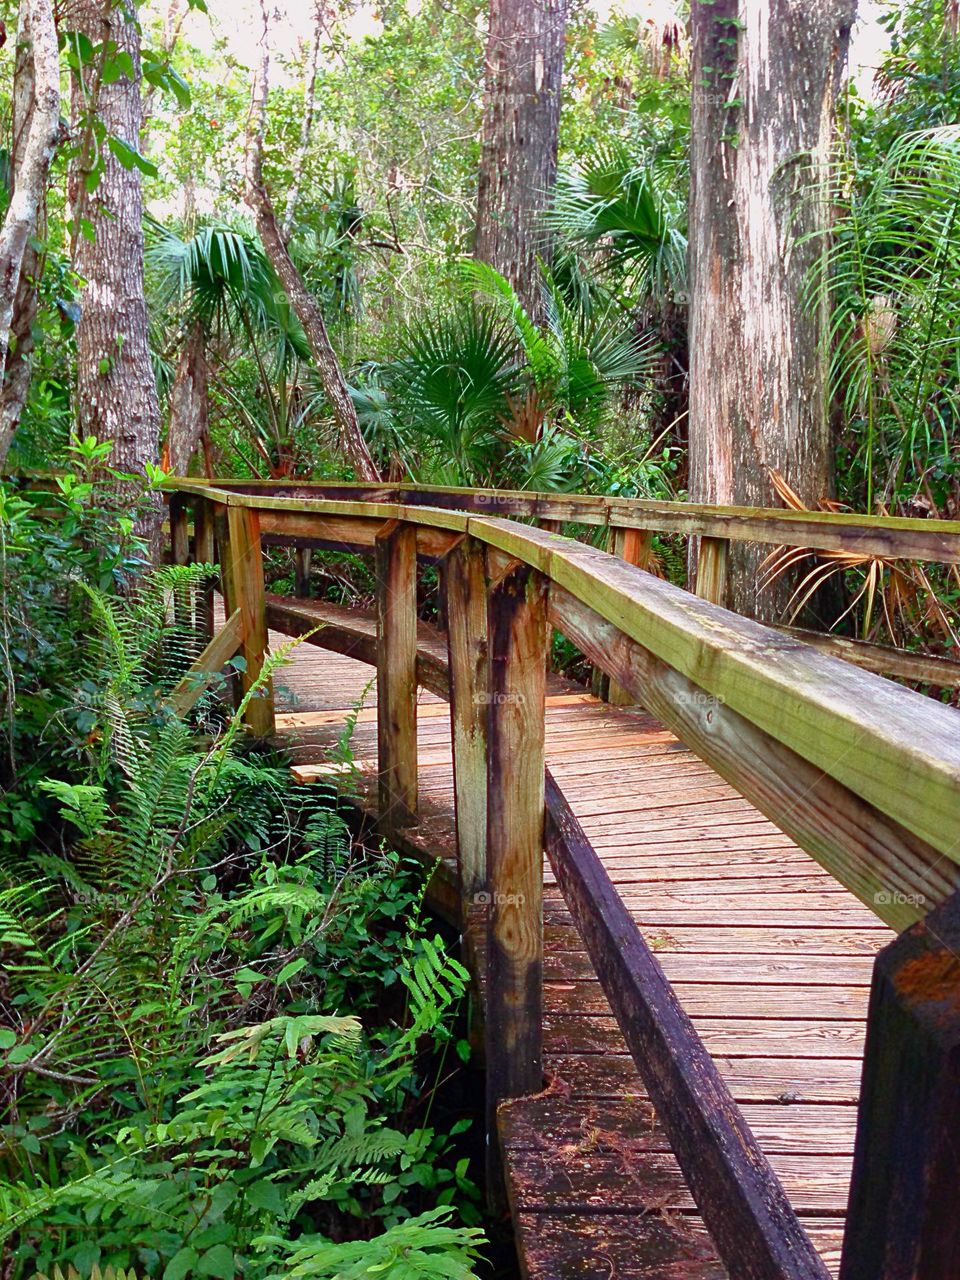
(765, 76)
(36, 133)
(188, 402)
(349, 440)
(306, 125)
(116, 390)
(518, 158)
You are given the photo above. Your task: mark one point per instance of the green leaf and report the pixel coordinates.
(130, 158)
(217, 1261)
(288, 970)
(182, 1262)
(8, 1038)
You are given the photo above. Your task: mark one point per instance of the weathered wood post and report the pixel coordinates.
(712, 569)
(204, 552)
(179, 529)
(396, 570)
(903, 1221)
(466, 607)
(303, 556)
(634, 546)
(516, 639)
(242, 565)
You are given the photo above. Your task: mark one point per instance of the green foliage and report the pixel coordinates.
(892, 269)
(188, 1096)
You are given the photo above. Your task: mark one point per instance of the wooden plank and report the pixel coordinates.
(202, 672)
(712, 569)
(466, 596)
(516, 637)
(592, 1246)
(919, 668)
(396, 569)
(243, 590)
(906, 1179)
(742, 1202)
(893, 871)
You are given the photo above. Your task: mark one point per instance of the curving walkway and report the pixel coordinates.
(769, 956)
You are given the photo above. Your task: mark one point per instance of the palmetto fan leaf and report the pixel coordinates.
(221, 280)
(612, 206)
(454, 376)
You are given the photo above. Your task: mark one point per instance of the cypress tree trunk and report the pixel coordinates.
(521, 118)
(116, 390)
(765, 76)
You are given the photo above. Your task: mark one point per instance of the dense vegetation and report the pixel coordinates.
(224, 1016)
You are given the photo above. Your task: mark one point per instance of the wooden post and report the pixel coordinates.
(243, 590)
(712, 569)
(466, 608)
(204, 552)
(516, 638)
(903, 1221)
(396, 568)
(302, 559)
(179, 530)
(634, 546)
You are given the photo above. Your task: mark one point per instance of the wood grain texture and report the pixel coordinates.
(743, 1204)
(903, 1222)
(244, 592)
(396, 651)
(516, 683)
(466, 600)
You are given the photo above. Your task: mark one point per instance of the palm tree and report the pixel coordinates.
(226, 298)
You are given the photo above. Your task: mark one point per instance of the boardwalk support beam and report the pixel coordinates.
(516, 637)
(902, 1221)
(396, 569)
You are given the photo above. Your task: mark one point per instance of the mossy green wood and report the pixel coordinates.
(897, 749)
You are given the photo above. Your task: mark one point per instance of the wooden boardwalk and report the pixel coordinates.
(768, 954)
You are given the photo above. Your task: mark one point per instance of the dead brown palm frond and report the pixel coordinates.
(526, 416)
(907, 598)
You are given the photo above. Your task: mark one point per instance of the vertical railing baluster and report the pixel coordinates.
(466, 610)
(634, 546)
(396, 570)
(303, 557)
(712, 569)
(516, 640)
(243, 589)
(204, 552)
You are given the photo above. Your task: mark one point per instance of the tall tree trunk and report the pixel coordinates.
(518, 158)
(349, 437)
(188, 402)
(116, 389)
(36, 133)
(306, 124)
(765, 76)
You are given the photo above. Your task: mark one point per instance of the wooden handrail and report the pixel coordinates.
(892, 537)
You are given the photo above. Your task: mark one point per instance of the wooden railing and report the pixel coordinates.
(863, 774)
(631, 524)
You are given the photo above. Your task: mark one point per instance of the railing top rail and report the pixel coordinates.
(868, 536)
(897, 749)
